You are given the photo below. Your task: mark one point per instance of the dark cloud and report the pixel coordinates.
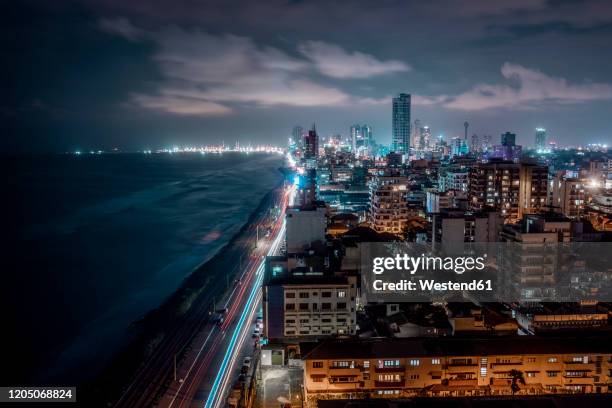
(101, 73)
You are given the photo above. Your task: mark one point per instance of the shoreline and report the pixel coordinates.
(142, 336)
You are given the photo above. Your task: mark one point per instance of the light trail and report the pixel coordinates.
(221, 379)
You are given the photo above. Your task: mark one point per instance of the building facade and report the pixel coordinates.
(513, 189)
(300, 302)
(389, 210)
(456, 367)
(401, 124)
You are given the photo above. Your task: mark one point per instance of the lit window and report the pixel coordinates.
(435, 361)
(415, 362)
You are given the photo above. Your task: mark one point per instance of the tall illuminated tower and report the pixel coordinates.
(401, 124)
(540, 139)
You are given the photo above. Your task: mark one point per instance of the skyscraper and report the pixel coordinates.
(540, 139)
(356, 137)
(366, 130)
(401, 123)
(361, 136)
(508, 139)
(311, 144)
(415, 141)
(425, 137)
(296, 134)
(466, 126)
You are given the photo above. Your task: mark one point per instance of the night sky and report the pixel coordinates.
(147, 74)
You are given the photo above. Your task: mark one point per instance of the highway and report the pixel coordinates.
(214, 351)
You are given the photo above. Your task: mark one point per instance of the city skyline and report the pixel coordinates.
(133, 76)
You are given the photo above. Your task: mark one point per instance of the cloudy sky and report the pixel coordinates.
(138, 74)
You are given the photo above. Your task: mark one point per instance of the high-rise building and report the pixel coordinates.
(508, 139)
(540, 139)
(415, 139)
(401, 123)
(475, 144)
(297, 135)
(361, 137)
(389, 204)
(366, 130)
(568, 194)
(512, 188)
(311, 144)
(356, 137)
(486, 143)
(466, 125)
(425, 137)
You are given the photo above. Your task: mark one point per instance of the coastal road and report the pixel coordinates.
(208, 374)
(202, 342)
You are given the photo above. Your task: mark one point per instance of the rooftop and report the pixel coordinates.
(415, 347)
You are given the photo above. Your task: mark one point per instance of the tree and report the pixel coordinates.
(517, 377)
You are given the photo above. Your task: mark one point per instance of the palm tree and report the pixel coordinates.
(517, 377)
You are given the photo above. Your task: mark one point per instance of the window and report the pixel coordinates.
(290, 306)
(552, 359)
(341, 306)
(389, 377)
(326, 294)
(415, 362)
(304, 295)
(341, 294)
(302, 321)
(552, 373)
(575, 374)
(531, 359)
(289, 321)
(413, 377)
(317, 364)
(340, 364)
(435, 361)
(303, 306)
(317, 379)
(290, 295)
(531, 374)
(325, 320)
(483, 371)
(389, 363)
(326, 306)
(366, 364)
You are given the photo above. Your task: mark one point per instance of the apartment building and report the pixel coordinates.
(454, 227)
(301, 302)
(455, 367)
(568, 194)
(389, 210)
(305, 225)
(514, 189)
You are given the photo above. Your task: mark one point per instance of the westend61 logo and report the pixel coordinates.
(412, 264)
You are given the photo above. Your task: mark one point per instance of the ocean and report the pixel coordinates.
(97, 241)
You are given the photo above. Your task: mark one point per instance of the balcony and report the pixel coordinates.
(390, 384)
(394, 369)
(469, 382)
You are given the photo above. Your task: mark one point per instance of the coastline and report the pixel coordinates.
(184, 306)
